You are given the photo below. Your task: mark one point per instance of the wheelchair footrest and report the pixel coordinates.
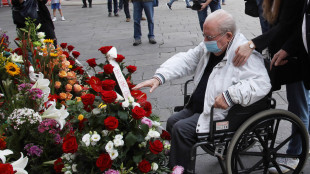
(219, 150)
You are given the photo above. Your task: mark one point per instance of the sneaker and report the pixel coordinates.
(285, 164)
(152, 41)
(127, 19)
(63, 18)
(143, 18)
(169, 6)
(54, 19)
(110, 15)
(137, 42)
(223, 3)
(116, 15)
(188, 6)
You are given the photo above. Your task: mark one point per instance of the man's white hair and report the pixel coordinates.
(226, 21)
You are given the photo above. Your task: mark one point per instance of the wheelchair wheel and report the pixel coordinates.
(263, 139)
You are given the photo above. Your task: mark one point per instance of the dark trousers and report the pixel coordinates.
(126, 8)
(182, 128)
(89, 3)
(114, 5)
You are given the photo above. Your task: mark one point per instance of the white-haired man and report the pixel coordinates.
(217, 82)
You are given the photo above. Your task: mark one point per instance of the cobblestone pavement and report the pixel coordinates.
(176, 30)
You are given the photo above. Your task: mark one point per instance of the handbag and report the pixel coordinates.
(155, 3)
(251, 8)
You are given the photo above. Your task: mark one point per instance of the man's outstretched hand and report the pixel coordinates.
(152, 83)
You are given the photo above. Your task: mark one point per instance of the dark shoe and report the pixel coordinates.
(84, 6)
(137, 42)
(90, 6)
(152, 41)
(188, 6)
(116, 15)
(110, 15)
(169, 6)
(143, 18)
(127, 19)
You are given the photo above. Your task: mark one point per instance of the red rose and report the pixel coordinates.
(144, 166)
(78, 68)
(6, 168)
(147, 106)
(58, 165)
(18, 51)
(63, 45)
(111, 123)
(105, 50)
(72, 62)
(165, 135)
(139, 96)
(138, 113)
(54, 97)
(95, 83)
(108, 68)
(75, 54)
(131, 68)
(92, 62)
(66, 53)
(70, 48)
(81, 123)
(70, 144)
(108, 85)
(119, 58)
(88, 99)
(108, 96)
(156, 146)
(104, 162)
(2, 144)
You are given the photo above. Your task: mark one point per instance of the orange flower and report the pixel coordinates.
(65, 64)
(72, 82)
(71, 75)
(78, 99)
(69, 96)
(68, 87)
(62, 74)
(62, 57)
(77, 88)
(62, 96)
(57, 84)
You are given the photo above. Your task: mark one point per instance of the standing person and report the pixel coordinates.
(223, 2)
(169, 4)
(203, 12)
(85, 5)
(126, 10)
(138, 6)
(283, 16)
(216, 82)
(263, 22)
(110, 8)
(56, 4)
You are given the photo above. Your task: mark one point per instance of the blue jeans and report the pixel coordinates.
(186, 1)
(126, 8)
(263, 22)
(114, 5)
(120, 4)
(137, 14)
(298, 98)
(202, 15)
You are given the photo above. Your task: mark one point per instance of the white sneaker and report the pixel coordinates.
(54, 19)
(63, 18)
(288, 162)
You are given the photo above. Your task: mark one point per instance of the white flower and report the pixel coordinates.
(131, 99)
(125, 104)
(109, 146)
(20, 164)
(113, 154)
(67, 156)
(4, 153)
(41, 35)
(134, 104)
(96, 111)
(118, 136)
(105, 132)
(68, 172)
(95, 137)
(57, 114)
(43, 84)
(74, 169)
(118, 142)
(42, 41)
(153, 134)
(154, 166)
(86, 139)
(156, 123)
(16, 58)
(119, 97)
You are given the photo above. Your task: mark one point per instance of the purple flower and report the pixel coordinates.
(24, 87)
(111, 171)
(33, 150)
(35, 93)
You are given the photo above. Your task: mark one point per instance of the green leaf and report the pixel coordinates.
(144, 128)
(123, 115)
(130, 139)
(138, 157)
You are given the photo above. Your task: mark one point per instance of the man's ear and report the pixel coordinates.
(230, 35)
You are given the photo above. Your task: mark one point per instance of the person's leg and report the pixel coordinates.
(183, 137)
(120, 4)
(149, 13)
(187, 4)
(263, 22)
(215, 5)
(54, 12)
(171, 2)
(126, 8)
(84, 4)
(115, 5)
(202, 15)
(137, 13)
(90, 3)
(185, 113)
(110, 6)
(298, 103)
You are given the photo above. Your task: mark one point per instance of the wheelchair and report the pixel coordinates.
(250, 139)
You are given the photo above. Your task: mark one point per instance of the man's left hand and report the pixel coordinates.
(220, 102)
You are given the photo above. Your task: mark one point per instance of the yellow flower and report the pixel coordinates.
(49, 41)
(70, 66)
(54, 54)
(80, 117)
(102, 106)
(12, 69)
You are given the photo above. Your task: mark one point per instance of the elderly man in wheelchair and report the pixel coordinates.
(219, 114)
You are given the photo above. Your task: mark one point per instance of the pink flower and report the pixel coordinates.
(177, 170)
(111, 171)
(147, 122)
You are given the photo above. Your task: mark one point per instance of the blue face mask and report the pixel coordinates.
(212, 46)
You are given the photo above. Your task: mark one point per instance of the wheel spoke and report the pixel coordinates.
(262, 142)
(251, 153)
(284, 142)
(277, 166)
(287, 155)
(275, 133)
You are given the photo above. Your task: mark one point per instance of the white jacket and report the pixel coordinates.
(242, 85)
